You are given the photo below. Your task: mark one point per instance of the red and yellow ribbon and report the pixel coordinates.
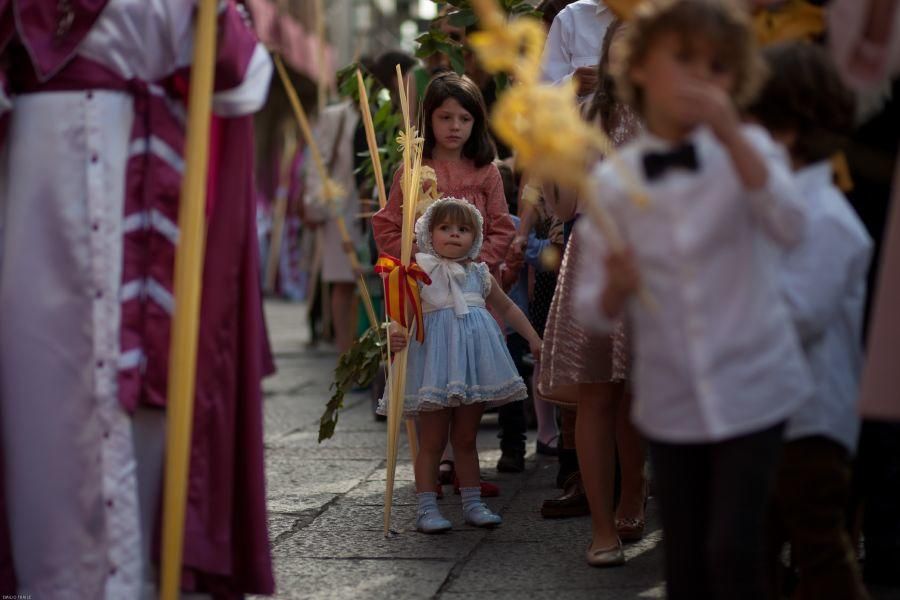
(399, 286)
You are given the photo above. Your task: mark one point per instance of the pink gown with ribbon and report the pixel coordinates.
(88, 200)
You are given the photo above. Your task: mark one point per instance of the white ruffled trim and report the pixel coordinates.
(485, 273)
(423, 229)
(457, 393)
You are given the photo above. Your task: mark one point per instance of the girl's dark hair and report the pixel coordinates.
(510, 186)
(604, 100)
(479, 148)
(453, 213)
(804, 94)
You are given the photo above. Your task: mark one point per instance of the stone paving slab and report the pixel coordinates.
(281, 524)
(358, 445)
(371, 493)
(309, 440)
(364, 579)
(295, 484)
(532, 565)
(284, 414)
(404, 472)
(556, 593)
(354, 543)
(527, 525)
(354, 517)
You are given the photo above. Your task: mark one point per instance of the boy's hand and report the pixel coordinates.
(623, 280)
(709, 104)
(398, 338)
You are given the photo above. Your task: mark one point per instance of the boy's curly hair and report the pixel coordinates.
(725, 23)
(805, 95)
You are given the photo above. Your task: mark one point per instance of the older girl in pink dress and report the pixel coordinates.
(459, 149)
(590, 372)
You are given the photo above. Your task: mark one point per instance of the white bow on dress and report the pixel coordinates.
(447, 278)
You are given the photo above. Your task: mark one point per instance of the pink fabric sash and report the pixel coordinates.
(52, 30)
(150, 217)
(152, 188)
(226, 545)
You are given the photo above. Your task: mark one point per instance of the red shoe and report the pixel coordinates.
(446, 472)
(488, 490)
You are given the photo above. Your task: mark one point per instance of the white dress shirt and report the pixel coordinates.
(575, 38)
(717, 356)
(824, 282)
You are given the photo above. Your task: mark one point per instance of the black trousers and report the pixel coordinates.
(511, 416)
(877, 486)
(713, 501)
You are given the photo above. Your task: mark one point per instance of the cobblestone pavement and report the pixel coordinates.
(325, 503)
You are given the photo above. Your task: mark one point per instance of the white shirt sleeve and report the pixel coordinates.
(557, 58)
(778, 205)
(247, 97)
(251, 94)
(815, 275)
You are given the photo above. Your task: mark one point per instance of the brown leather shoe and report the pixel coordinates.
(572, 503)
(630, 530)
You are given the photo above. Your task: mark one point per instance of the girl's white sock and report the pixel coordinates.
(471, 497)
(426, 501)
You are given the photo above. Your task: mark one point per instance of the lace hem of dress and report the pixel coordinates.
(485, 274)
(457, 393)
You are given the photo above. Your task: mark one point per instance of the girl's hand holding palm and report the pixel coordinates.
(398, 337)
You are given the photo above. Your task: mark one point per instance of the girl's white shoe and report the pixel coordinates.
(430, 520)
(480, 515)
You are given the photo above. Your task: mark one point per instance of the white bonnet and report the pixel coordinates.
(423, 226)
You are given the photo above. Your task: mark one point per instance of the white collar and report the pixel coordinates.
(815, 175)
(650, 141)
(601, 7)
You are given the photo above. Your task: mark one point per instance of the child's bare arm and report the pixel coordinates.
(514, 316)
(622, 281)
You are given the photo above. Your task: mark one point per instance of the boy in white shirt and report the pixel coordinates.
(718, 368)
(805, 106)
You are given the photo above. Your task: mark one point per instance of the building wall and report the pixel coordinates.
(357, 26)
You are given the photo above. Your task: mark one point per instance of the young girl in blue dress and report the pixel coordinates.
(463, 366)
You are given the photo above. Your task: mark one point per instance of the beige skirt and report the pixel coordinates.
(571, 356)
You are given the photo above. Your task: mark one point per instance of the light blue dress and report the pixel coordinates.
(464, 359)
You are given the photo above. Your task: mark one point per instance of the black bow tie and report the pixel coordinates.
(657, 163)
